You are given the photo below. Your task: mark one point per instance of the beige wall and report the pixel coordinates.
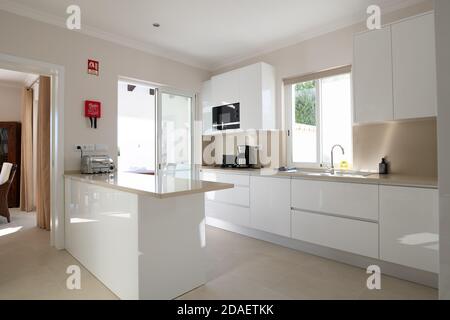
(10, 103)
(30, 39)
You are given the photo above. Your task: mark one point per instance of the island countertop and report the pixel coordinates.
(155, 186)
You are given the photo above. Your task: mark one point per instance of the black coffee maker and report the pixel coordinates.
(247, 157)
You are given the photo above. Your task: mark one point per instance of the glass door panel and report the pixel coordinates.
(175, 118)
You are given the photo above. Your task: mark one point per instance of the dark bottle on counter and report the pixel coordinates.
(383, 167)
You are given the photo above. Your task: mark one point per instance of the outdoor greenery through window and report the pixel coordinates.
(321, 116)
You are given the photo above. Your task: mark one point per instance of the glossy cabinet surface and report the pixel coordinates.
(348, 235)
(344, 199)
(225, 88)
(140, 247)
(252, 86)
(391, 223)
(372, 75)
(231, 205)
(409, 227)
(414, 62)
(270, 205)
(394, 71)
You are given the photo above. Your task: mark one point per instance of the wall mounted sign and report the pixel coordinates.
(93, 67)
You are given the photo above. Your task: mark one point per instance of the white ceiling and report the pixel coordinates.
(18, 79)
(205, 33)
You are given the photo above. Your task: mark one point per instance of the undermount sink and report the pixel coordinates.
(337, 173)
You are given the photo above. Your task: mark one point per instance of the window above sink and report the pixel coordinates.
(319, 115)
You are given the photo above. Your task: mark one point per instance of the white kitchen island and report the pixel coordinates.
(142, 236)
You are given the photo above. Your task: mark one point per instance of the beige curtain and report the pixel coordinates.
(26, 167)
(43, 155)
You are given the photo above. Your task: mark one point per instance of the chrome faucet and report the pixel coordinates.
(332, 156)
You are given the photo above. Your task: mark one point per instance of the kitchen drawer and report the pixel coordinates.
(345, 199)
(242, 180)
(227, 212)
(348, 235)
(237, 196)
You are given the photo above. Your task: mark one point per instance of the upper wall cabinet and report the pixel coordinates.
(253, 87)
(225, 88)
(372, 74)
(206, 103)
(395, 71)
(414, 61)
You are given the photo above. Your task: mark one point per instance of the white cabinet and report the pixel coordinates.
(394, 71)
(372, 75)
(225, 88)
(231, 205)
(257, 97)
(343, 199)
(253, 87)
(409, 223)
(270, 205)
(414, 62)
(206, 104)
(348, 235)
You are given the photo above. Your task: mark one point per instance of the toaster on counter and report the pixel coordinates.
(97, 164)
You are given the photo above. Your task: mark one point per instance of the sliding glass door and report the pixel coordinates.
(174, 132)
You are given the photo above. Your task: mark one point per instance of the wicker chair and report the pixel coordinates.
(4, 190)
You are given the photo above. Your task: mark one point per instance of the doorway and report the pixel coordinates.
(55, 75)
(155, 130)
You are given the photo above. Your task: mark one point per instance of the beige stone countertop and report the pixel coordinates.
(147, 185)
(388, 180)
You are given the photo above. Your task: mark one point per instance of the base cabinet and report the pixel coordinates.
(409, 224)
(270, 205)
(390, 223)
(348, 235)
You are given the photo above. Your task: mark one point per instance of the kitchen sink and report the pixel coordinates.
(337, 173)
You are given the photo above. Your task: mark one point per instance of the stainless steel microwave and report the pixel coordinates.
(226, 117)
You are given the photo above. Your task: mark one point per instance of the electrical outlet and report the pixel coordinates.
(85, 147)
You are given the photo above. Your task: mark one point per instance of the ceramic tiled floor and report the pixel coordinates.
(238, 268)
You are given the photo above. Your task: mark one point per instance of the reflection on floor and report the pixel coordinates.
(238, 268)
(245, 268)
(31, 269)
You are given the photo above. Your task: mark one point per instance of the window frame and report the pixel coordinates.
(289, 103)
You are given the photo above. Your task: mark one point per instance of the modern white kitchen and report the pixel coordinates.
(275, 159)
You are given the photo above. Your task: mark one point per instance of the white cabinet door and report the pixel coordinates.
(414, 62)
(229, 213)
(225, 88)
(250, 97)
(372, 76)
(353, 236)
(409, 222)
(207, 104)
(344, 199)
(270, 205)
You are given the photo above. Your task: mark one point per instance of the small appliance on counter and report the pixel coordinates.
(91, 164)
(228, 161)
(247, 157)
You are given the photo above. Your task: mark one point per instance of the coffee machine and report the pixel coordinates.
(247, 157)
